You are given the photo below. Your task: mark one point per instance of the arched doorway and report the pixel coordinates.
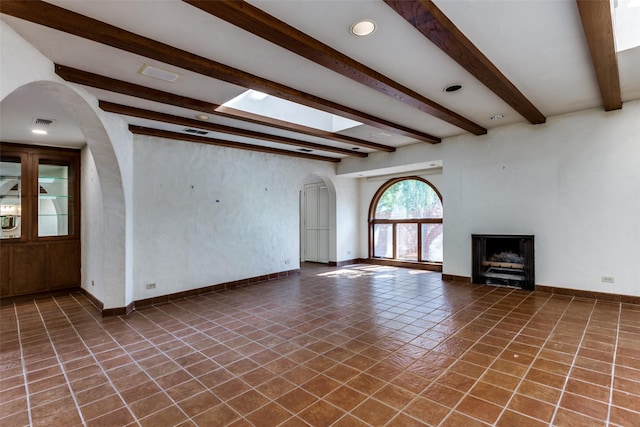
(315, 223)
(105, 273)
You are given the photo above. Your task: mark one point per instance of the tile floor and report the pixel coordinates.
(354, 346)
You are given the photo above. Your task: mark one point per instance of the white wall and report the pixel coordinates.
(111, 146)
(347, 218)
(92, 226)
(205, 215)
(573, 182)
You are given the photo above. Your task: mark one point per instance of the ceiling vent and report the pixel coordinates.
(43, 123)
(158, 73)
(195, 131)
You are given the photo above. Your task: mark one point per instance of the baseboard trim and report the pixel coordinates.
(577, 293)
(95, 301)
(125, 311)
(403, 264)
(345, 262)
(454, 278)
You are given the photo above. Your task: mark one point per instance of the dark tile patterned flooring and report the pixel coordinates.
(353, 346)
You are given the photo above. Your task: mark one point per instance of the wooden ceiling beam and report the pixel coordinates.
(597, 23)
(214, 127)
(61, 19)
(74, 75)
(254, 20)
(141, 130)
(425, 16)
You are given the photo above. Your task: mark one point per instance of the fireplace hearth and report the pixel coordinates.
(503, 260)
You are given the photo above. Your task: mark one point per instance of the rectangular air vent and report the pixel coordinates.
(158, 73)
(43, 123)
(195, 131)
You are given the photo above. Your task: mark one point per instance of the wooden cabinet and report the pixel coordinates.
(40, 216)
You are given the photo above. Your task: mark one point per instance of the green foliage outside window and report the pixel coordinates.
(409, 199)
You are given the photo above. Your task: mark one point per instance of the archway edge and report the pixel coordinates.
(107, 258)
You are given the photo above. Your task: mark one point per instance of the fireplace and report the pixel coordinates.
(503, 260)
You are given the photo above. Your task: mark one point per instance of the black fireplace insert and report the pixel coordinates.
(503, 260)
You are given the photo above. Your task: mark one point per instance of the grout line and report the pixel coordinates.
(93, 356)
(573, 362)
(181, 340)
(542, 347)
(64, 371)
(23, 364)
(235, 376)
(515, 334)
(613, 367)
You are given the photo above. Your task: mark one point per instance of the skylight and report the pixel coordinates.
(262, 104)
(626, 24)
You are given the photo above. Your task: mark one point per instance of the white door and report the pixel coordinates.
(316, 223)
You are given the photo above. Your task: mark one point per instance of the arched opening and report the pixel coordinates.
(405, 223)
(79, 125)
(317, 220)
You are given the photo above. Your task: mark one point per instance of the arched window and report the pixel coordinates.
(405, 221)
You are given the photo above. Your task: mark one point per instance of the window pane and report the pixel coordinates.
(383, 240)
(432, 242)
(53, 200)
(409, 199)
(407, 241)
(10, 198)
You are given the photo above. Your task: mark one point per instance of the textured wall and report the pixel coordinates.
(573, 182)
(205, 215)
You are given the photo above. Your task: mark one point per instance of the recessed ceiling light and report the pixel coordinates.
(363, 28)
(497, 117)
(202, 117)
(39, 131)
(452, 88)
(355, 148)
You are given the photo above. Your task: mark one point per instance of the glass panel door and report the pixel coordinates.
(55, 195)
(11, 197)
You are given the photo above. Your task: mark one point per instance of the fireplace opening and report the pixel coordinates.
(503, 260)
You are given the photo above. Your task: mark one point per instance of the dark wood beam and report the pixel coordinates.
(141, 130)
(61, 19)
(118, 86)
(214, 127)
(598, 29)
(254, 20)
(425, 16)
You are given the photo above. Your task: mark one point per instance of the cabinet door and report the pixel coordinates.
(28, 269)
(64, 264)
(40, 209)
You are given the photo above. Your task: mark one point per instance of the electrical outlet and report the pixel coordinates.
(151, 285)
(93, 283)
(287, 261)
(608, 279)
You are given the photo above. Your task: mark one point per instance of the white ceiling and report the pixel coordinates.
(538, 45)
